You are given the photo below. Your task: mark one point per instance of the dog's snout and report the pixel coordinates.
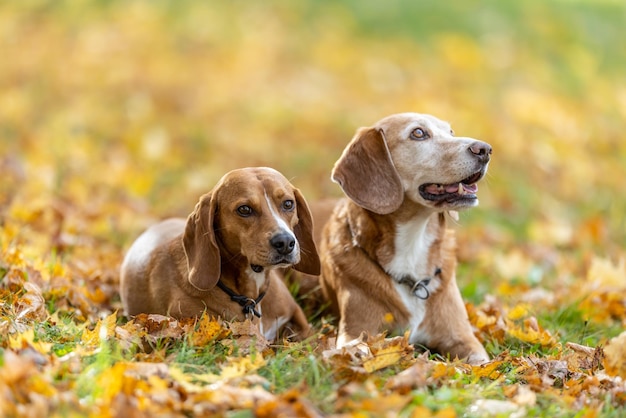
(283, 242)
(482, 150)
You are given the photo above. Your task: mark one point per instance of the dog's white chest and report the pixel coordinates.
(412, 245)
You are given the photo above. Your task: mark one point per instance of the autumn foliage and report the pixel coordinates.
(114, 115)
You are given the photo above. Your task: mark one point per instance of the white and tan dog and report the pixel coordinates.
(388, 261)
(223, 260)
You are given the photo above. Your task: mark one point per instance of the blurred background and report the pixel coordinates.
(114, 114)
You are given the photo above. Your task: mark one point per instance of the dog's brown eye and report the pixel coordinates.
(288, 205)
(419, 134)
(244, 210)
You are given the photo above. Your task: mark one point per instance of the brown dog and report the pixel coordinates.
(388, 262)
(222, 260)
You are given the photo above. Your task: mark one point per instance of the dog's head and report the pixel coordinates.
(253, 216)
(412, 155)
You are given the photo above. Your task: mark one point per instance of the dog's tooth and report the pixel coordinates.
(461, 189)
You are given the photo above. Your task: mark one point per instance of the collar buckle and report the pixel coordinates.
(248, 305)
(419, 288)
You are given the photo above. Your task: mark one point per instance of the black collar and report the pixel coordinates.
(419, 288)
(248, 304)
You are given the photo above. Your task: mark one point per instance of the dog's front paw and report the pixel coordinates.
(358, 346)
(477, 358)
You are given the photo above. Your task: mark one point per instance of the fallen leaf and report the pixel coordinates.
(366, 398)
(237, 367)
(615, 356)
(387, 352)
(583, 358)
(488, 370)
(288, 404)
(223, 397)
(531, 332)
(414, 377)
(32, 304)
(104, 328)
(518, 312)
(207, 330)
(247, 337)
(27, 339)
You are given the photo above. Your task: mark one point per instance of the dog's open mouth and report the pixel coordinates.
(452, 193)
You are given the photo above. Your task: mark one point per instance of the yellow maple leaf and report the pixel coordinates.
(483, 320)
(489, 370)
(238, 367)
(27, 339)
(111, 382)
(105, 328)
(615, 356)
(384, 357)
(604, 291)
(518, 312)
(187, 380)
(441, 370)
(531, 333)
(207, 330)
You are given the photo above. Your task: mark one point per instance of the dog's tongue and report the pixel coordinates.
(459, 188)
(469, 188)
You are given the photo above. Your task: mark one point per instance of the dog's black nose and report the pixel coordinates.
(482, 150)
(283, 242)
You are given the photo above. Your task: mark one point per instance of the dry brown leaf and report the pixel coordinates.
(366, 398)
(32, 304)
(247, 337)
(416, 376)
(159, 325)
(288, 404)
(583, 359)
(222, 397)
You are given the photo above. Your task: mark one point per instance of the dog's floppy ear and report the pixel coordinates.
(309, 258)
(367, 175)
(201, 250)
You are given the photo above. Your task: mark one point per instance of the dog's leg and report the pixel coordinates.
(447, 329)
(302, 326)
(361, 316)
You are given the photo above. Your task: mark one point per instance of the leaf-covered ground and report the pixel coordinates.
(114, 115)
